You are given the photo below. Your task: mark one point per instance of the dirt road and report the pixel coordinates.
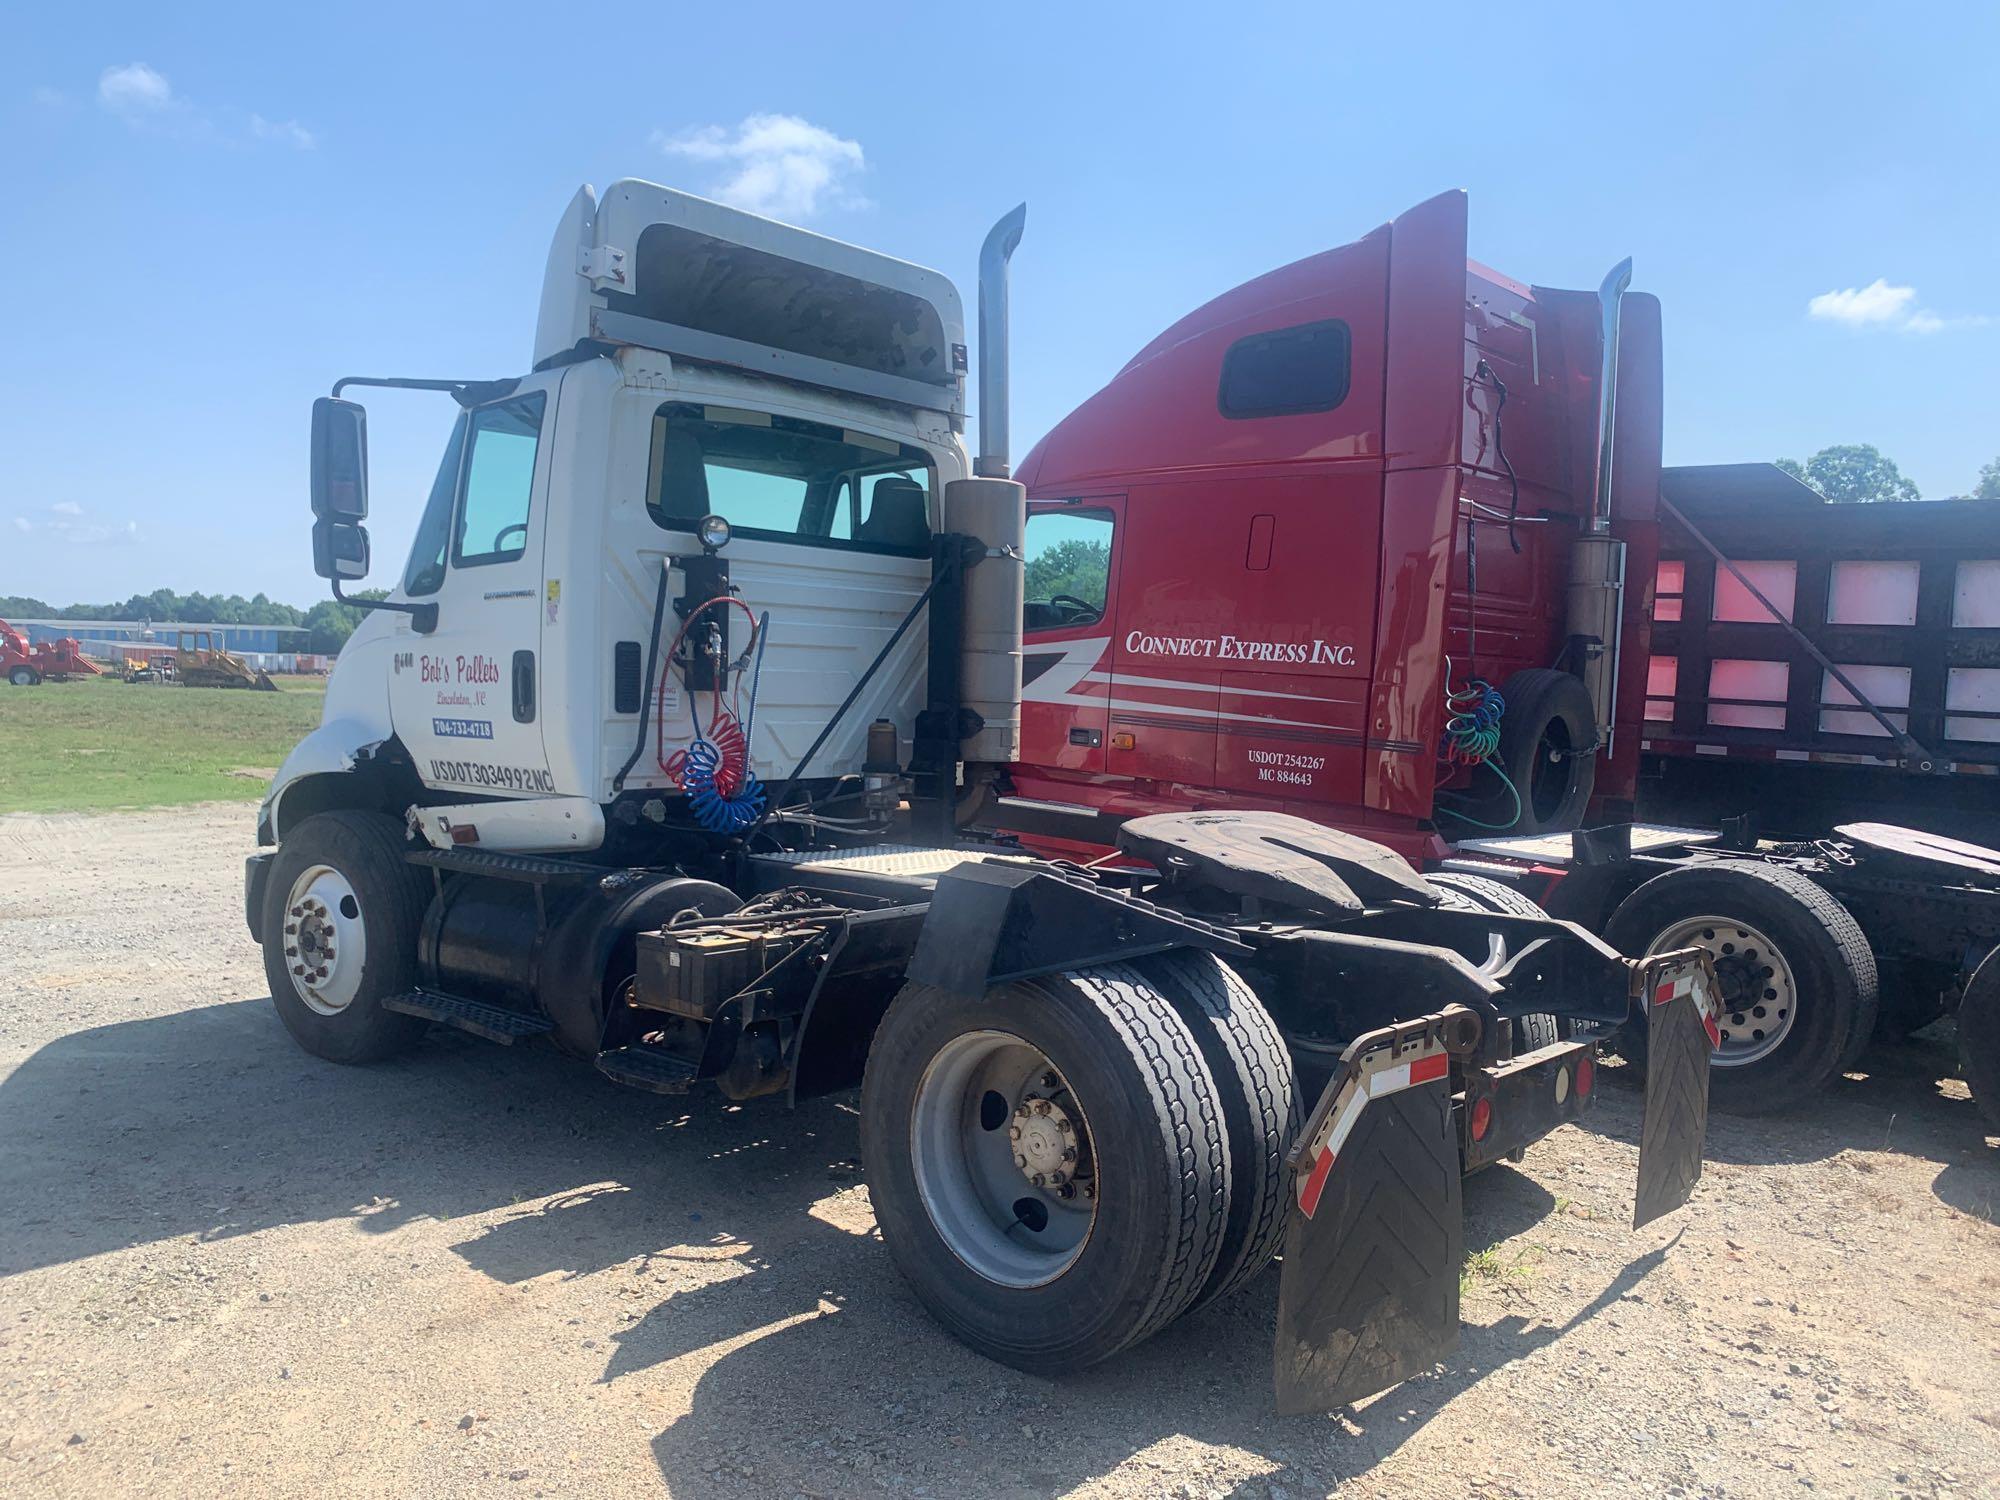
(231, 1268)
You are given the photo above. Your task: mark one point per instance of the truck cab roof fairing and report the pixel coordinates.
(1159, 413)
(666, 270)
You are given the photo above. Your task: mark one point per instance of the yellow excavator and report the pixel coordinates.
(200, 662)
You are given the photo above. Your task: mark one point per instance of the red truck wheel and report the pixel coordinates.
(1797, 975)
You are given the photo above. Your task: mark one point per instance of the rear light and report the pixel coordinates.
(1586, 1075)
(1482, 1118)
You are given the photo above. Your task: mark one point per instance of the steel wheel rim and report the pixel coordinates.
(1760, 994)
(326, 943)
(963, 1152)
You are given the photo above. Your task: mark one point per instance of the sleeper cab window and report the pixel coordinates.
(1286, 372)
(789, 480)
(497, 480)
(1068, 569)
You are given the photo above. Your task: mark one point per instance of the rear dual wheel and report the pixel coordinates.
(1066, 1164)
(1798, 984)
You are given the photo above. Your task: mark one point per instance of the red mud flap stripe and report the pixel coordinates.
(1387, 1077)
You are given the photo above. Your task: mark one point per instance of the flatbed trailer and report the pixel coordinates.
(637, 760)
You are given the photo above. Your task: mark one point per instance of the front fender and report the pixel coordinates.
(354, 721)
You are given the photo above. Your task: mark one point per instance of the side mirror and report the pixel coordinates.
(340, 550)
(339, 462)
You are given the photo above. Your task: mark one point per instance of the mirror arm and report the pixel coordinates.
(423, 617)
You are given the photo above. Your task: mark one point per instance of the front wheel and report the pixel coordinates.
(1048, 1163)
(340, 935)
(24, 677)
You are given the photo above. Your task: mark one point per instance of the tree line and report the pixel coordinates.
(328, 624)
(1861, 474)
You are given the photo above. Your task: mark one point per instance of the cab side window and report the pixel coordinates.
(498, 479)
(1068, 568)
(425, 573)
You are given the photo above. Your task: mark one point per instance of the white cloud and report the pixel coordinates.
(1882, 305)
(69, 522)
(134, 89)
(1878, 302)
(141, 96)
(290, 132)
(779, 165)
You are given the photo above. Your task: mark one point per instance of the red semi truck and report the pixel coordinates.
(1372, 540)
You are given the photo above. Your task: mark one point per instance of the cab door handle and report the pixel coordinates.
(1091, 738)
(524, 687)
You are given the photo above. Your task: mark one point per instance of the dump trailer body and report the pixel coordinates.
(1741, 710)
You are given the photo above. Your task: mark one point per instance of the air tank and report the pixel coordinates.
(994, 511)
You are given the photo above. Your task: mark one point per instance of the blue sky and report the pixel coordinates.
(210, 213)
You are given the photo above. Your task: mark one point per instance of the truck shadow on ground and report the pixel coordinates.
(1903, 1097)
(741, 1234)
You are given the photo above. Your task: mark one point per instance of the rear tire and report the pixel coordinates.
(1044, 1292)
(1252, 1069)
(1798, 977)
(341, 918)
(1478, 893)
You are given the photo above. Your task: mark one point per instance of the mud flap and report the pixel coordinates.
(1681, 1031)
(1375, 1234)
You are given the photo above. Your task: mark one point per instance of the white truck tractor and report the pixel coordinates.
(663, 745)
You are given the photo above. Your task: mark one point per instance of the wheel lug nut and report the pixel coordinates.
(292, 952)
(298, 968)
(1049, 1080)
(1039, 1180)
(1064, 1190)
(1041, 1106)
(1013, 1132)
(1069, 1153)
(1020, 1161)
(298, 911)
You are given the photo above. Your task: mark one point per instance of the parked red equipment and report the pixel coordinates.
(24, 665)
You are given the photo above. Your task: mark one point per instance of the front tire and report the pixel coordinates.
(342, 914)
(1797, 975)
(24, 677)
(967, 1101)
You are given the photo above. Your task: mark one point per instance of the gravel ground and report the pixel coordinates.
(231, 1268)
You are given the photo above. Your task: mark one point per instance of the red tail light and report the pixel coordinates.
(1482, 1118)
(1586, 1075)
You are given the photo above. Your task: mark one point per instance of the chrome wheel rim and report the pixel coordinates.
(325, 941)
(1003, 1161)
(1760, 995)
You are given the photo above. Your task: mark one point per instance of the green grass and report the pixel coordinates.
(101, 742)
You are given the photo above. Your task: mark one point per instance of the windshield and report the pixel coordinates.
(789, 480)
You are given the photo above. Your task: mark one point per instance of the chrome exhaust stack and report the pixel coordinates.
(992, 461)
(992, 509)
(1596, 604)
(1609, 296)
